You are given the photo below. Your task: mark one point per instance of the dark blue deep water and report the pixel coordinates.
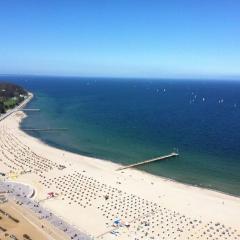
(124, 120)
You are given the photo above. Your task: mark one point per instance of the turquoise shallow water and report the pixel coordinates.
(125, 121)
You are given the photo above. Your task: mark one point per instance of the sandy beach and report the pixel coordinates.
(107, 204)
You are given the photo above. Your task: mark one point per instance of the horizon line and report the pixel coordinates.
(187, 77)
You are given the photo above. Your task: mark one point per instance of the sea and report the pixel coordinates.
(130, 120)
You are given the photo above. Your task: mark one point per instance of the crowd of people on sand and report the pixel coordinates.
(125, 215)
(18, 157)
(137, 217)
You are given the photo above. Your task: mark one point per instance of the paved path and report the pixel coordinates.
(19, 192)
(149, 161)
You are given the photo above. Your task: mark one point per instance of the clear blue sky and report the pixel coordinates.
(149, 38)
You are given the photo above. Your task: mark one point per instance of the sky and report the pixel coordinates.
(130, 38)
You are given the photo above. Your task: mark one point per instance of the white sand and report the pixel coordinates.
(156, 208)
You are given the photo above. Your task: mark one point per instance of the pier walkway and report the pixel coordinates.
(173, 154)
(28, 109)
(45, 129)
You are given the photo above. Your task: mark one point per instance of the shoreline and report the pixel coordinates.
(121, 165)
(188, 200)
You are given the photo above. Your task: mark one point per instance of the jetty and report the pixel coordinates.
(45, 129)
(173, 154)
(28, 109)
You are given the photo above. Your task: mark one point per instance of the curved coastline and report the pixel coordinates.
(117, 165)
(92, 156)
(192, 201)
(120, 165)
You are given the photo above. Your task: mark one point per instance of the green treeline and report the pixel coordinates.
(10, 96)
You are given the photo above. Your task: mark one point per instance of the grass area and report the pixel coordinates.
(10, 96)
(10, 103)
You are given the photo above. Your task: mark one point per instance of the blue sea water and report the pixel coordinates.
(128, 120)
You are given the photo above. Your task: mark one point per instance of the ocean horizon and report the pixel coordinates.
(133, 120)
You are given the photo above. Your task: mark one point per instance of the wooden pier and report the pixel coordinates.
(173, 154)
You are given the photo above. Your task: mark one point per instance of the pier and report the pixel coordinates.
(45, 129)
(28, 109)
(173, 154)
